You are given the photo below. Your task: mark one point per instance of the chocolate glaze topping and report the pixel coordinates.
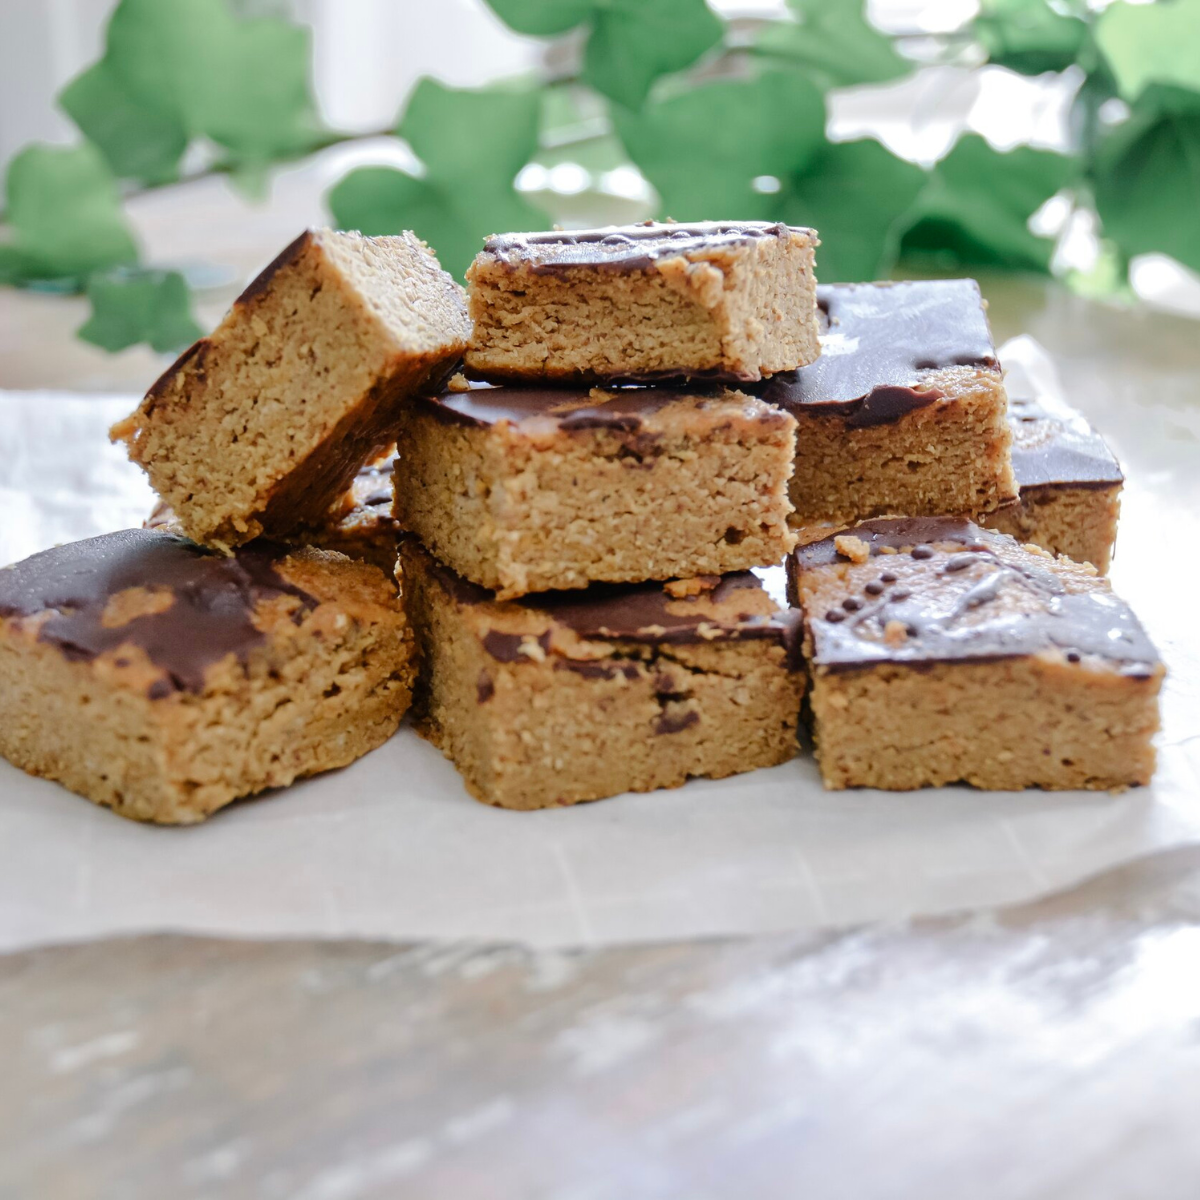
(1055, 447)
(954, 621)
(880, 340)
(641, 612)
(284, 258)
(623, 247)
(571, 408)
(211, 614)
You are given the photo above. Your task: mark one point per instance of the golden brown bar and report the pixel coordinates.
(165, 681)
(942, 652)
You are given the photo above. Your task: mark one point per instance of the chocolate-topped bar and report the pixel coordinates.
(358, 524)
(565, 697)
(940, 651)
(532, 489)
(164, 680)
(1070, 483)
(717, 300)
(904, 412)
(258, 428)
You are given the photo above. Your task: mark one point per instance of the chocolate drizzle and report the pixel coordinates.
(1054, 447)
(644, 613)
(571, 409)
(881, 340)
(625, 247)
(211, 614)
(963, 616)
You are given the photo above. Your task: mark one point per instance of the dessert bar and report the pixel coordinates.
(640, 303)
(259, 427)
(1070, 484)
(531, 489)
(164, 681)
(904, 412)
(941, 652)
(575, 696)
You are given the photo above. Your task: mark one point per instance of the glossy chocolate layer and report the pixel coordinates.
(976, 597)
(880, 340)
(624, 247)
(643, 612)
(1054, 447)
(211, 615)
(571, 408)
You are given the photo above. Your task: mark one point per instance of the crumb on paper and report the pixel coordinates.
(895, 633)
(459, 383)
(887, 550)
(853, 548)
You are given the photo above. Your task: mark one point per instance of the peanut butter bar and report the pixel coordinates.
(164, 681)
(1070, 484)
(259, 427)
(532, 489)
(574, 696)
(942, 652)
(644, 303)
(359, 524)
(904, 412)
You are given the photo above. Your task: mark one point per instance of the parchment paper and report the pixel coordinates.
(392, 847)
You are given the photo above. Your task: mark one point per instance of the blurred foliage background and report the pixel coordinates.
(724, 119)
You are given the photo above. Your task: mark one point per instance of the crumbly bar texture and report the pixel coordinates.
(942, 652)
(359, 524)
(165, 681)
(642, 303)
(532, 489)
(905, 410)
(259, 427)
(576, 696)
(1070, 483)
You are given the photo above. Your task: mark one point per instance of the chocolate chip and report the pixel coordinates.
(921, 552)
(850, 604)
(900, 594)
(834, 616)
(888, 577)
(874, 589)
(1073, 657)
(959, 562)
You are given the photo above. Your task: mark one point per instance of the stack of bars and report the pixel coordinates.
(656, 498)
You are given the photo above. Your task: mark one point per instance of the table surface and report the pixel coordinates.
(1051, 1050)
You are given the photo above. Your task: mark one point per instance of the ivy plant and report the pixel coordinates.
(724, 119)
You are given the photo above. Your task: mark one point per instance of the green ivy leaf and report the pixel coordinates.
(630, 42)
(835, 44)
(1151, 43)
(704, 148)
(1029, 36)
(464, 135)
(854, 194)
(65, 216)
(976, 207)
(138, 142)
(142, 306)
(243, 82)
(1147, 177)
(472, 144)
